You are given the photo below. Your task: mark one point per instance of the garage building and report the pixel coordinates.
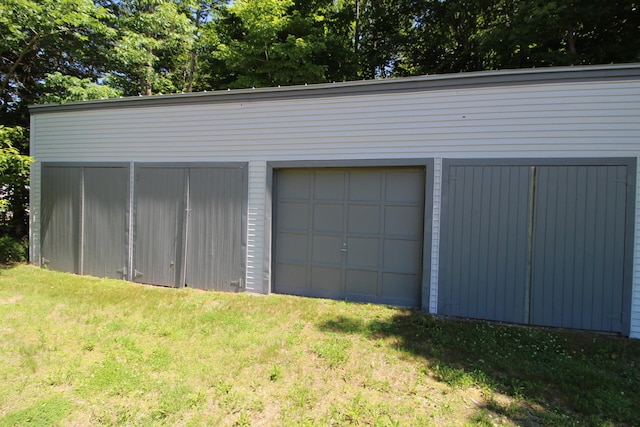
(505, 195)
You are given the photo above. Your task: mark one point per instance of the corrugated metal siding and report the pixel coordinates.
(105, 221)
(215, 221)
(635, 299)
(513, 121)
(60, 218)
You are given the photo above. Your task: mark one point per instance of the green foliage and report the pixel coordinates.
(60, 89)
(12, 250)
(14, 178)
(152, 48)
(14, 166)
(269, 43)
(46, 36)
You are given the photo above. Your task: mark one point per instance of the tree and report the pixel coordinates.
(58, 88)
(153, 48)
(41, 37)
(268, 43)
(562, 32)
(382, 30)
(14, 174)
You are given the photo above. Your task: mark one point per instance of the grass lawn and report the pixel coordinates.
(84, 351)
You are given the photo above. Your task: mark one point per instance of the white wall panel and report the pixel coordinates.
(543, 120)
(34, 213)
(256, 280)
(435, 235)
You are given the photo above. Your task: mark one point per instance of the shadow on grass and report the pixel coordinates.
(554, 377)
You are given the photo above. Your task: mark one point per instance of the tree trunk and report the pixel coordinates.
(571, 41)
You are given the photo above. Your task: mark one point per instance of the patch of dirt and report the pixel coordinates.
(11, 300)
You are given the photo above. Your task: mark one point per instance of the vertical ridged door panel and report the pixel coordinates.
(159, 206)
(484, 255)
(215, 221)
(60, 218)
(579, 247)
(106, 200)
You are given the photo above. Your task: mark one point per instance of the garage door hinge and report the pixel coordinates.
(237, 285)
(122, 271)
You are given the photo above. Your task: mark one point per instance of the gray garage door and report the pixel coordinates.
(189, 226)
(544, 245)
(60, 218)
(350, 233)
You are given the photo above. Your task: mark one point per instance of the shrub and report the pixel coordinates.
(12, 250)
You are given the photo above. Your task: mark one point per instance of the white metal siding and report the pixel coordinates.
(34, 213)
(435, 235)
(569, 120)
(257, 269)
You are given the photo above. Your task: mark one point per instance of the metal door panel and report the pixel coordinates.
(362, 283)
(364, 219)
(328, 217)
(159, 204)
(60, 218)
(294, 216)
(214, 238)
(326, 249)
(578, 247)
(400, 288)
(483, 270)
(105, 227)
(365, 185)
(325, 282)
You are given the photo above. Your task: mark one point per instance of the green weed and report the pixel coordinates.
(47, 412)
(334, 350)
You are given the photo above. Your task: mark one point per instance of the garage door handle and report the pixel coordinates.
(344, 248)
